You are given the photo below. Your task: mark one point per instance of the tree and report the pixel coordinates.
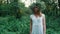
(59, 3)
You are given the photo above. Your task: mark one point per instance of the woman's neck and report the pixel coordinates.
(38, 13)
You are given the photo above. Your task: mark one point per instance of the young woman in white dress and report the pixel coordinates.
(37, 22)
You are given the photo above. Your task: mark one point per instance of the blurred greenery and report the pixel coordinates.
(15, 17)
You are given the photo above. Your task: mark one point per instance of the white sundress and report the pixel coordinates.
(37, 24)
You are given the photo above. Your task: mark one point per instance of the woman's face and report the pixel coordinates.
(36, 10)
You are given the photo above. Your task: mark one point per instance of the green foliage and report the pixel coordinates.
(10, 25)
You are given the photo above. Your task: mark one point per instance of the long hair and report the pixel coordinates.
(36, 5)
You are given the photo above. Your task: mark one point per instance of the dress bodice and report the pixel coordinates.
(36, 20)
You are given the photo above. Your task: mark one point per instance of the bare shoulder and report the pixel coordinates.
(43, 15)
(31, 15)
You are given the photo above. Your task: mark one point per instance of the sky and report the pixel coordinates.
(28, 2)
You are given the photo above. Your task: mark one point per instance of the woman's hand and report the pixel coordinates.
(44, 24)
(30, 26)
(44, 32)
(30, 32)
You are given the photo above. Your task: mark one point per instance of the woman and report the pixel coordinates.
(37, 22)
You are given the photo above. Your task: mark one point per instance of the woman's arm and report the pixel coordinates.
(30, 26)
(44, 25)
